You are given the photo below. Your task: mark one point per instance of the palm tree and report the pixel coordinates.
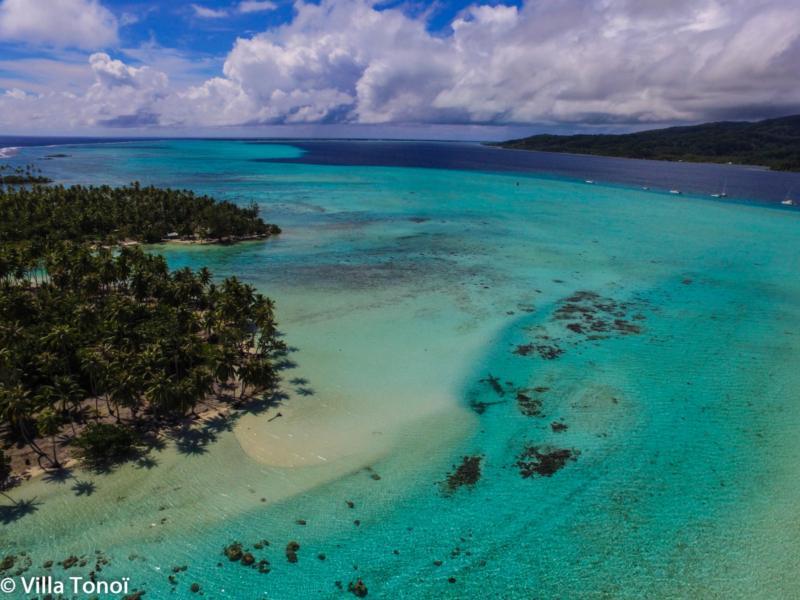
(49, 424)
(202, 384)
(93, 364)
(204, 276)
(5, 473)
(162, 393)
(126, 389)
(224, 364)
(68, 395)
(16, 409)
(258, 373)
(59, 338)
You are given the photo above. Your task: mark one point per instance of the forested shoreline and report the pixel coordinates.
(103, 348)
(773, 143)
(105, 214)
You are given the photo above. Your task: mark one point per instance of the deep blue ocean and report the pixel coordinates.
(750, 183)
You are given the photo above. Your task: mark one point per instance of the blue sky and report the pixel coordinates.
(404, 68)
(177, 24)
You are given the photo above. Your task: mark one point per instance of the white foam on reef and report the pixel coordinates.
(9, 151)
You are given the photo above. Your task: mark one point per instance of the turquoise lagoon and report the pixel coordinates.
(404, 293)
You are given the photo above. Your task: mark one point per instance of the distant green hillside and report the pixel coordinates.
(773, 143)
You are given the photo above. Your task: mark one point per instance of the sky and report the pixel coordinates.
(449, 69)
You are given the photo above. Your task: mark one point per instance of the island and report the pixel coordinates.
(105, 351)
(133, 213)
(772, 143)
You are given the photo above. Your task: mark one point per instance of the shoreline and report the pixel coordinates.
(25, 461)
(224, 241)
(750, 167)
(194, 242)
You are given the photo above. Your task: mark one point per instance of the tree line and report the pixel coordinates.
(774, 143)
(112, 214)
(21, 175)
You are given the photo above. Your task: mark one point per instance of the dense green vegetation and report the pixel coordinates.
(101, 346)
(21, 175)
(94, 335)
(103, 444)
(107, 214)
(773, 143)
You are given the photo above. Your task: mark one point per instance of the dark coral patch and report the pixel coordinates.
(480, 406)
(357, 588)
(234, 552)
(536, 460)
(545, 351)
(590, 314)
(467, 473)
(494, 383)
(291, 551)
(530, 407)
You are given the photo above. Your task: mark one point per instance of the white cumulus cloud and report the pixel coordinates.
(619, 62)
(591, 61)
(253, 6)
(64, 23)
(205, 12)
(121, 96)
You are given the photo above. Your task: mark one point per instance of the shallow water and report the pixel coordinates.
(403, 290)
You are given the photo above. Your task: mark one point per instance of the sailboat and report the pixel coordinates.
(723, 193)
(788, 201)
